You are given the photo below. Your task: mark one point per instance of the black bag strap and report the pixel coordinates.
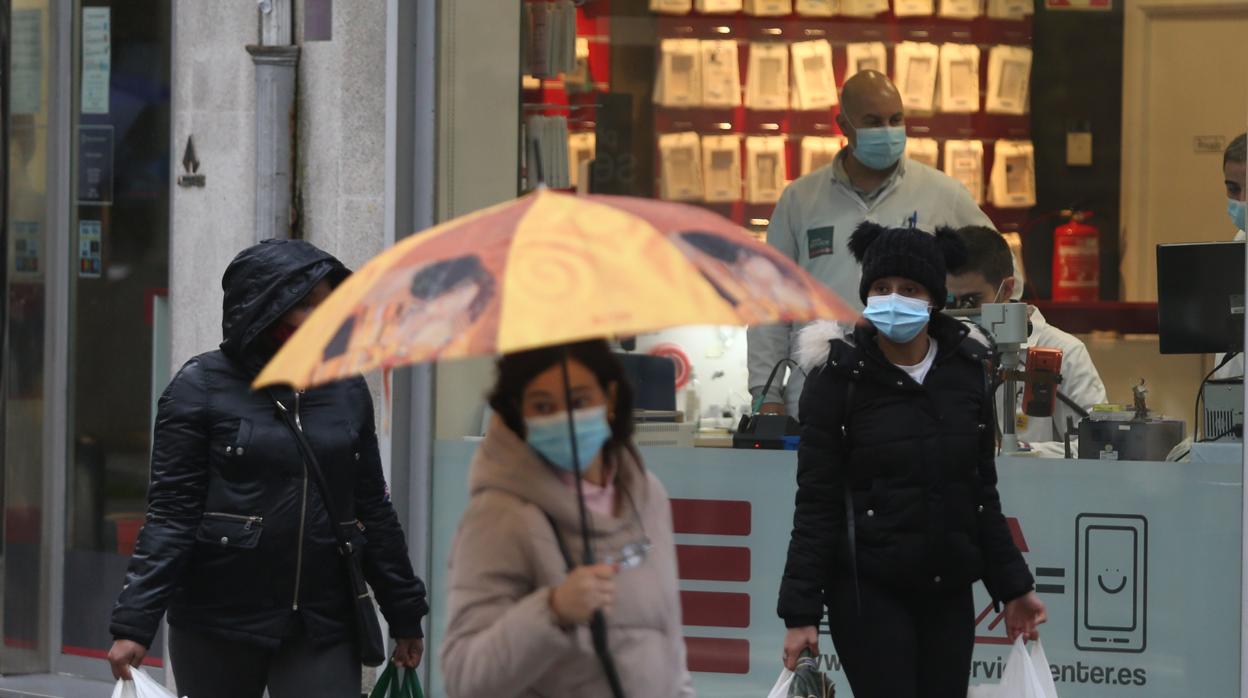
(314, 470)
(847, 486)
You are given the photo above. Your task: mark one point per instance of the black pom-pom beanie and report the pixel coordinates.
(909, 253)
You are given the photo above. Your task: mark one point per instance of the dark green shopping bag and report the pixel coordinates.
(389, 685)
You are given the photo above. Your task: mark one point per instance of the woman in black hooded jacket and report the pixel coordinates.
(897, 511)
(238, 545)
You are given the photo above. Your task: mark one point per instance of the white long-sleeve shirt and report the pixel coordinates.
(811, 225)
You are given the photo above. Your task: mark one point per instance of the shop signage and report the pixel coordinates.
(1135, 609)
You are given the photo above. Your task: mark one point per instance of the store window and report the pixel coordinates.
(25, 378)
(120, 260)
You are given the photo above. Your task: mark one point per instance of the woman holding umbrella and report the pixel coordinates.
(897, 505)
(517, 613)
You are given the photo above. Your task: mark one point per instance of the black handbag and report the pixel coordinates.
(367, 630)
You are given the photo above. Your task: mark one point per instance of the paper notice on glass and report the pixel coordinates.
(97, 60)
(26, 89)
(671, 7)
(721, 74)
(1014, 174)
(964, 161)
(766, 168)
(914, 8)
(819, 152)
(714, 7)
(924, 150)
(90, 250)
(959, 78)
(817, 8)
(863, 8)
(1010, 9)
(768, 8)
(27, 248)
(721, 168)
(681, 157)
(813, 75)
(915, 74)
(869, 56)
(961, 9)
(767, 83)
(95, 165)
(1009, 80)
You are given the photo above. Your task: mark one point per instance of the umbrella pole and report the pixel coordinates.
(597, 624)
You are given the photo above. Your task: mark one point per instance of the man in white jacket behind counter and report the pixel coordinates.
(869, 180)
(988, 277)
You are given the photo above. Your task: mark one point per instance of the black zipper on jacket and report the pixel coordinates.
(303, 512)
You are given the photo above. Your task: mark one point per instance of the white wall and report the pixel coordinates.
(213, 101)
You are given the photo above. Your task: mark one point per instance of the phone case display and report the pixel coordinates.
(1010, 9)
(863, 8)
(869, 56)
(680, 73)
(721, 74)
(959, 78)
(681, 155)
(961, 9)
(711, 7)
(767, 84)
(721, 168)
(768, 8)
(766, 166)
(1009, 79)
(671, 7)
(581, 149)
(914, 8)
(964, 161)
(546, 138)
(924, 150)
(813, 77)
(1013, 179)
(819, 151)
(915, 74)
(817, 8)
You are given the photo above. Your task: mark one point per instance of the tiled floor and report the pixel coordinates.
(52, 686)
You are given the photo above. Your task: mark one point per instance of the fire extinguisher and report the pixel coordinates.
(1076, 259)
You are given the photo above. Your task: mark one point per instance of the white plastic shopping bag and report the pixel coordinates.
(142, 686)
(781, 689)
(1026, 675)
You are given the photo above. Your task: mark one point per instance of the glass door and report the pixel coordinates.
(120, 184)
(27, 100)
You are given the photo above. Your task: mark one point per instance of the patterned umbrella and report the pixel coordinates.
(547, 269)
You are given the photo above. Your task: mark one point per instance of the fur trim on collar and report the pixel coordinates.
(814, 342)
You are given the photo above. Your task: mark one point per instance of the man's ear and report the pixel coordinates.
(1007, 288)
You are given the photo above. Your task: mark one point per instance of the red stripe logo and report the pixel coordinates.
(714, 563)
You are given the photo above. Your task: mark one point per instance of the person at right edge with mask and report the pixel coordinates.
(1233, 168)
(897, 513)
(869, 180)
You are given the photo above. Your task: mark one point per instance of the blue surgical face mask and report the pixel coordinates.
(880, 148)
(549, 436)
(1236, 209)
(897, 317)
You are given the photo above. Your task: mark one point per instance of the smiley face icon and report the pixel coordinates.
(1118, 581)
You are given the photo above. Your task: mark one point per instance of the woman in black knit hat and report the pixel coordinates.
(897, 511)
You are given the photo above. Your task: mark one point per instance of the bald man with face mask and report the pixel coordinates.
(870, 180)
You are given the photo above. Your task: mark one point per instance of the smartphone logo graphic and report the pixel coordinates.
(1111, 583)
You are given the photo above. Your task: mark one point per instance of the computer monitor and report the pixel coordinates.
(1200, 297)
(653, 379)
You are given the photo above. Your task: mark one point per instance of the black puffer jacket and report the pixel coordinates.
(237, 539)
(920, 461)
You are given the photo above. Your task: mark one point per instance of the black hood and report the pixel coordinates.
(264, 282)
